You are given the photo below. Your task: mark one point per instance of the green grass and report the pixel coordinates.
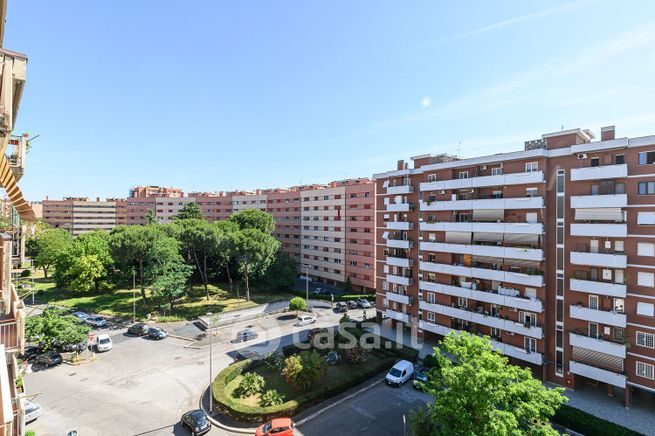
(119, 302)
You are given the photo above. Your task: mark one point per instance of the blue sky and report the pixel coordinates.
(218, 95)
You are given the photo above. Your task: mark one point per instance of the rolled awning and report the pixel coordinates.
(487, 237)
(595, 358)
(522, 263)
(488, 214)
(521, 238)
(600, 214)
(458, 238)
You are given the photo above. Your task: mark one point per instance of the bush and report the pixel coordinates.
(583, 422)
(274, 360)
(30, 433)
(304, 369)
(344, 318)
(271, 398)
(354, 355)
(251, 384)
(26, 273)
(430, 361)
(297, 303)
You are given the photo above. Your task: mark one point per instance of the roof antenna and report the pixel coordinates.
(562, 127)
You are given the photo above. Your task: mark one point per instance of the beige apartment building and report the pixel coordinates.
(80, 215)
(549, 250)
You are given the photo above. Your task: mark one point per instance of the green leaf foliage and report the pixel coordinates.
(251, 384)
(254, 219)
(304, 369)
(53, 328)
(297, 303)
(190, 211)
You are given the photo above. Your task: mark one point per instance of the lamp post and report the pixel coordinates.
(307, 283)
(133, 295)
(209, 330)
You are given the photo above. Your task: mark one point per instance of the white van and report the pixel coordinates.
(400, 373)
(103, 343)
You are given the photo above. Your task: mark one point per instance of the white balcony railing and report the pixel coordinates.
(599, 374)
(399, 298)
(399, 261)
(399, 225)
(489, 203)
(399, 190)
(599, 173)
(399, 243)
(599, 288)
(398, 316)
(513, 228)
(484, 273)
(484, 181)
(599, 201)
(599, 345)
(506, 349)
(399, 207)
(599, 259)
(616, 319)
(600, 230)
(530, 304)
(480, 318)
(400, 280)
(485, 250)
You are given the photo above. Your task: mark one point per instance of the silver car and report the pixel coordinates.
(96, 321)
(32, 410)
(246, 335)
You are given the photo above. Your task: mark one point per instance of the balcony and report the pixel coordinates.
(479, 318)
(399, 225)
(399, 261)
(599, 345)
(600, 230)
(599, 288)
(405, 244)
(399, 190)
(616, 319)
(599, 201)
(506, 349)
(13, 74)
(530, 304)
(485, 181)
(487, 203)
(599, 374)
(400, 280)
(399, 298)
(16, 150)
(485, 250)
(399, 207)
(535, 280)
(398, 316)
(619, 261)
(599, 173)
(483, 227)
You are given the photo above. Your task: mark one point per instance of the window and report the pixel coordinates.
(645, 309)
(560, 258)
(645, 279)
(432, 177)
(595, 161)
(560, 180)
(619, 159)
(646, 249)
(593, 330)
(645, 339)
(560, 286)
(593, 302)
(432, 297)
(431, 317)
(560, 207)
(560, 310)
(462, 302)
(619, 334)
(463, 174)
(528, 318)
(530, 345)
(618, 246)
(646, 188)
(645, 370)
(497, 171)
(647, 157)
(646, 218)
(532, 192)
(531, 167)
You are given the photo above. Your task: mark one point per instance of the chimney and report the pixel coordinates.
(401, 165)
(607, 133)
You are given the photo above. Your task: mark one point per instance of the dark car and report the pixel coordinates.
(420, 378)
(30, 353)
(196, 421)
(138, 329)
(74, 347)
(49, 358)
(351, 304)
(341, 307)
(157, 333)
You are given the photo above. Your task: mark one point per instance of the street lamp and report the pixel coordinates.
(133, 295)
(307, 283)
(209, 330)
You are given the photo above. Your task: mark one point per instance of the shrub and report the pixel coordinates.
(297, 303)
(26, 273)
(274, 360)
(344, 318)
(304, 369)
(430, 361)
(30, 433)
(271, 398)
(355, 354)
(251, 384)
(581, 421)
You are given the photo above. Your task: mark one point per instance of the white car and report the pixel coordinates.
(32, 410)
(96, 321)
(305, 320)
(103, 343)
(400, 373)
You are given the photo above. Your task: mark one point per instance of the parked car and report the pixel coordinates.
(138, 329)
(277, 427)
(96, 321)
(400, 373)
(32, 410)
(352, 304)
(363, 303)
(157, 333)
(103, 343)
(49, 358)
(74, 347)
(30, 353)
(196, 421)
(341, 307)
(319, 291)
(246, 335)
(305, 320)
(420, 378)
(82, 316)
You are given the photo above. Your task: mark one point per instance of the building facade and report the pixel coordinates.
(550, 251)
(80, 215)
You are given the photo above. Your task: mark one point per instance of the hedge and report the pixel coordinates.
(320, 392)
(345, 297)
(586, 423)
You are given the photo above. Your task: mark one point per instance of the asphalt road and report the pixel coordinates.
(142, 387)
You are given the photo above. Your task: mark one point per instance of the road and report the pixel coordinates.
(142, 387)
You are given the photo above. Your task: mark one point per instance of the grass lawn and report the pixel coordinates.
(119, 302)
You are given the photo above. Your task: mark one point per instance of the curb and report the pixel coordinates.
(300, 422)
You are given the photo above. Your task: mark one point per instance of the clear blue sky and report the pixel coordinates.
(217, 95)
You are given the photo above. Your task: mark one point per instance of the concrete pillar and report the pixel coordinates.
(610, 390)
(628, 396)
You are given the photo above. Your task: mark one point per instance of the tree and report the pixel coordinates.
(349, 285)
(297, 303)
(355, 354)
(53, 328)
(86, 270)
(226, 249)
(254, 219)
(170, 284)
(478, 392)
(255, 251)
(190, 211)
(304, 369)
(150, 217)
(281, 273)
(199, 240)
(48, 246)
(85, 263)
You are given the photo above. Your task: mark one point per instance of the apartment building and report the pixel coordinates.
(550, 251)
(214, 205)
(155, 191)
(284, 205)
(80, 215)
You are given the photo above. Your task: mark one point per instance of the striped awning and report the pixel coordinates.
(8, 181)
(600, 214)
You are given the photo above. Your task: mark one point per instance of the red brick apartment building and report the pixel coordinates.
(550, 251)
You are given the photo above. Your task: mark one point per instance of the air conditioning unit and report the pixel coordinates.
(442, 192)
(582, 156)
(510, 333)
(513, 309)
(471, 191)
(484, 167)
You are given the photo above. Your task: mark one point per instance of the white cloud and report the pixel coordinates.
(426, 101)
